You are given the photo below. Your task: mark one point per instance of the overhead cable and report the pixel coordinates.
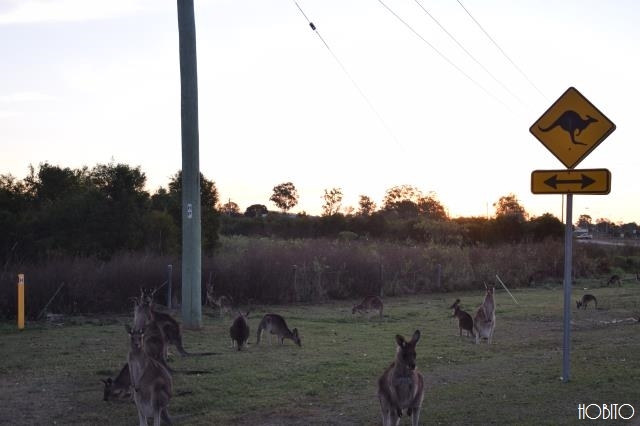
(314, 28)
(502, 51)
(443, 56)
(469, 53)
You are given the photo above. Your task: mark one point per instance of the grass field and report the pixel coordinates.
(50, 374)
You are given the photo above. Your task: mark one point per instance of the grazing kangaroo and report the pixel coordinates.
(484, 321)
(119, 388)
(169, 326)
(369, 303)
(615, 279)
(571, 122)
(239, 330)
(465, 322)
(585, 300)
(275, 324)
(401, 386)
(150, 381)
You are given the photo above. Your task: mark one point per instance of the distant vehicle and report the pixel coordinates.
(584, 237)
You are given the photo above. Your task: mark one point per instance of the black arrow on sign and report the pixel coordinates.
(553, 181)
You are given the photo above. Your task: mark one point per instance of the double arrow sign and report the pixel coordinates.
(584, 181)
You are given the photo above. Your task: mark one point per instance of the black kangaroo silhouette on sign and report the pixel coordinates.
(571, 122)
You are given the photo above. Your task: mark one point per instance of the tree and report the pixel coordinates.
(367, 206)
(546, 226)
(400, 194)
(508, 205)
(584, 221)
(229, 209)
(604, 226)
(402, 200)
(256, 210)
(285, 196)
(431, 208)
(510, 220)
(332, 200)
(123, 189)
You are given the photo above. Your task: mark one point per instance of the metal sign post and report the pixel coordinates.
(568, 256)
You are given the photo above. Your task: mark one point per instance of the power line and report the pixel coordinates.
(313, 27)
(469, 53)
(443, 56)
(502, 51)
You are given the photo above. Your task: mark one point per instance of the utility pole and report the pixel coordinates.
(191, 227)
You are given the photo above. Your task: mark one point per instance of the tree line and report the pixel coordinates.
(99, 211)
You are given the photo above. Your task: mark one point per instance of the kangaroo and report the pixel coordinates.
(275, 324)
(170, 327)
(119, 388)
(571, 122)
(155, 344)
(222, 303)
(586, 299)
(369, 303)
(615, 279)
(465, 322)
(401, 386)
(484, 321)
(239, 330)
(151, 382)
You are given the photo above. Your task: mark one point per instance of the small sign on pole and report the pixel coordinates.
(20, 301)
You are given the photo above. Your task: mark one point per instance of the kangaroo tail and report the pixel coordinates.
(181, 349)
(548, 128)
(260, 327)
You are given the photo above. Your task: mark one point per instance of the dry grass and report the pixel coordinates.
(51, 373)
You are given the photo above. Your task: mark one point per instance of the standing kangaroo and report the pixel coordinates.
(465, 322)
(150, 381)
(169, 326)
(484, 321)
(275, 324)
(571, 122)
(585, 300)
(222, 303)
(401, 386)
(369, 303)
(155, 344)
(239, 330)
(118, 388)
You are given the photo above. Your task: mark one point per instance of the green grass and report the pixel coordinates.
(51, 374)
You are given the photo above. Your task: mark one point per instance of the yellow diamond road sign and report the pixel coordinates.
(572, 127)
(586, 181)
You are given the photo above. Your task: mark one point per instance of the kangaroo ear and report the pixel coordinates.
(415, 337)
(400, 341)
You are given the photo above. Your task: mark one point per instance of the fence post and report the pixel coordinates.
(295, 283)
(169, 274)
(20, 301)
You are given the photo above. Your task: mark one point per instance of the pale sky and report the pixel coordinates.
(84, 82)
